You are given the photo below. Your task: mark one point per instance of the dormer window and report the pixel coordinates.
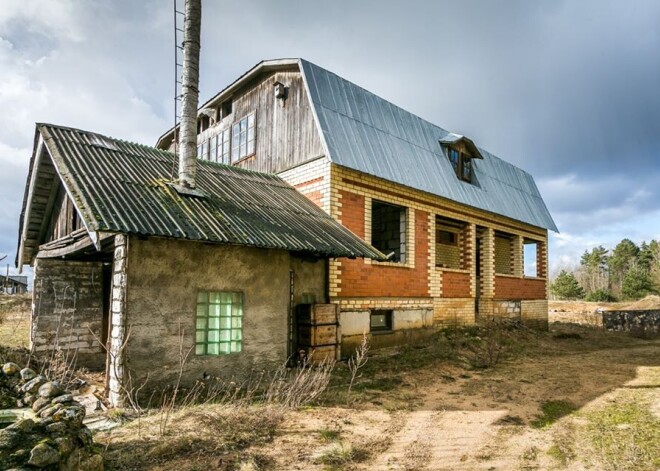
(462, 164)
(460, 152)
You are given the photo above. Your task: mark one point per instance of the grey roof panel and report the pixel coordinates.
(124, 188)
(367, 133)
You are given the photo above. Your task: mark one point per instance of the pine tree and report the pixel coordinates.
(566, 286)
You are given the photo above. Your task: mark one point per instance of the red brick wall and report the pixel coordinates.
(358, 279)
(315, 195)
(516, 288)
(455, 285)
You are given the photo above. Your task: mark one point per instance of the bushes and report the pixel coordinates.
(600, 296)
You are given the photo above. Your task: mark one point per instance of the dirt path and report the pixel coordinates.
(438, 440)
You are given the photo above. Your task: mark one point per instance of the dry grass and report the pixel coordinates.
(202, 437)
(15, 320)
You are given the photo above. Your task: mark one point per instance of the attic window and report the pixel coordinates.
(226, 108)
(462, 164)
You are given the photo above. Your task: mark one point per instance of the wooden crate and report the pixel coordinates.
(320, 354)
(315, 335)
(317, 314)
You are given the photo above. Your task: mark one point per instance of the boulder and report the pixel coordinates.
(51, 389)
(40, 403)
(43, 455)
(64, 398)
(33, 385)
(27, 374)
(10, 368)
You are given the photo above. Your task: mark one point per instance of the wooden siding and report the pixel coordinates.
(64, 218)
(286, 134)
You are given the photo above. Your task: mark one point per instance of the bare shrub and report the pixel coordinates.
(357, 361)
(299, 386)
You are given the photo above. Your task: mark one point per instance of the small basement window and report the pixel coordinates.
(381, 320)
(219, 323)
(388, 229)
(242, 138)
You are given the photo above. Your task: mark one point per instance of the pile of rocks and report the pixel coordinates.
(55, 438)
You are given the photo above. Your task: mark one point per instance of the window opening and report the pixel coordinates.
(530, 260)
(381, 320)
(388, 230)
(219, 323)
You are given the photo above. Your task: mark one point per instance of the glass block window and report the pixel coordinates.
(242, 138)
(219, 323)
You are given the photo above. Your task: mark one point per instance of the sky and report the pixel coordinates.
(566, 90)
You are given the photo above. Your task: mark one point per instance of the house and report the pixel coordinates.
(129, 272)
(13, 284)
(466, 233)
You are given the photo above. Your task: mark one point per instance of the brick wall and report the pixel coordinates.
(503, 255)
(67, 311)
(312, 179)
(453, 311)
(535, 313)
(358, 278)
(508, 287)
(455, 284)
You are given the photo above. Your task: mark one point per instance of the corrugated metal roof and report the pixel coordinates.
(123, 187)
(367, 133)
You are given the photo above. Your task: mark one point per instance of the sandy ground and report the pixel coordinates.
(476, 421)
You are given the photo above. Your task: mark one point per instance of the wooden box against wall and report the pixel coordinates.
(316, 335)
(317, 314)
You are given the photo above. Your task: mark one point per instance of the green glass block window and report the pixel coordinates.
(219, 329)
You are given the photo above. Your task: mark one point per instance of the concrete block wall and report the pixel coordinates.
(67, 310)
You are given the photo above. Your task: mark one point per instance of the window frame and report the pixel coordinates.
(403, 234)
(233, 316)
(389, 315)
(460, 161)
(240, 128)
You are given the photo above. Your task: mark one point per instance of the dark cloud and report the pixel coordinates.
(565, 89)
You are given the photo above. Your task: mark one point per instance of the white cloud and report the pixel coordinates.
(59, 19)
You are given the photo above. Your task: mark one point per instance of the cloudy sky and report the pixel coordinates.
(567, 90)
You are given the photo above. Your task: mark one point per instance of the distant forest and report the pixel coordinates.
(627, 272)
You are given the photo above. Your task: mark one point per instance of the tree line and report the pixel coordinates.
(627, 272)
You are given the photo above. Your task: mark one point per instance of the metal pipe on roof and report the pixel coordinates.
(190, 93)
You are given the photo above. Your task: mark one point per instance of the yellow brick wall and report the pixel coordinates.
(449, 312)
(503, 254)
(448, 255)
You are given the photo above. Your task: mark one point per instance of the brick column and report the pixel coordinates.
(517, 256)
(542, 259)
(468, 254)
(487, 274)
(488, 263)
(118, 335)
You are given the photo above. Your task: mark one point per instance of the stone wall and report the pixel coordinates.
(640, 323)
(67, 310)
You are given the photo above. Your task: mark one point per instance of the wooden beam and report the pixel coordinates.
(75, 242)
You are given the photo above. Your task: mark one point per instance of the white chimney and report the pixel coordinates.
(190, 93)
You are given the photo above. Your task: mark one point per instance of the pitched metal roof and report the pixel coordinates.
(367, 133)
(123, 187)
